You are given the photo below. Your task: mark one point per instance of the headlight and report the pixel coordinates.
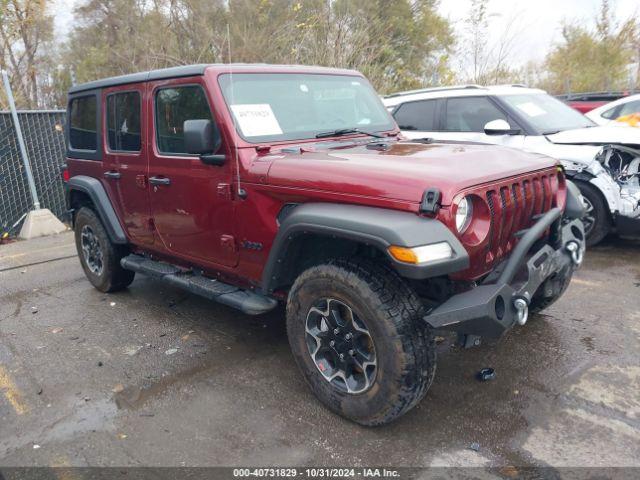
(464, 213)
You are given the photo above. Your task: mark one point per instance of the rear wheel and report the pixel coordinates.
(597, 221)
(99, 257)
(357, 335)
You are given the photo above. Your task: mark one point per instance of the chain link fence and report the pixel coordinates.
(43, 132)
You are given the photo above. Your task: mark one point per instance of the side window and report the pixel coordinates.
(629, 108)
(470, 114)
(173, 107)
(417, 115)
(123, 121)
(83, 134)
(611, 113)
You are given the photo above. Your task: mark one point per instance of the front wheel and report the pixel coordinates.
(597, 222)
(357, 335)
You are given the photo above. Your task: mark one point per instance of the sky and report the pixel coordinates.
(539, 20)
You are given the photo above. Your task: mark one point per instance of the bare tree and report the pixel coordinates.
(487, 61)
(24, 27)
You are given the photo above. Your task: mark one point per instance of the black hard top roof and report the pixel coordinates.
(182, 71)
(192, 70)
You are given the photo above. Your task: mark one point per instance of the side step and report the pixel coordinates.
(246, 301)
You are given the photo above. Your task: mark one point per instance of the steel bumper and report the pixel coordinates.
(502, 301)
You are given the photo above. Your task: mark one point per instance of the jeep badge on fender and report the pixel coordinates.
(255, 184)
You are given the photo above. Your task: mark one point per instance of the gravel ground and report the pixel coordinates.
(156, 376)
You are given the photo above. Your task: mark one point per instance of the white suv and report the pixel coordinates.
(603, 161)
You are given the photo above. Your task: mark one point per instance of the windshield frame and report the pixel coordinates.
(391, 127)
(522, 117)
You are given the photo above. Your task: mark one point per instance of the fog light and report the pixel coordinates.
(577, 253)
(522, 310)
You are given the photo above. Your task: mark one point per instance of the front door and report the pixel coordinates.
(191, 202)
(126, 159)
(459, 119)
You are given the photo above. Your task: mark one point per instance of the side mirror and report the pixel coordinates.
(500, 127)
(202, 137)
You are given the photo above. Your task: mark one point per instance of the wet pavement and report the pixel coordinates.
(156, 376)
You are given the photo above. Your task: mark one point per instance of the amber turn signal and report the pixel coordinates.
(403, 254)
(422, 254)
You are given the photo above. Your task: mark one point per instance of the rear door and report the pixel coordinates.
(191, 202)
(628, 108)
(126, 158)
(419, 119)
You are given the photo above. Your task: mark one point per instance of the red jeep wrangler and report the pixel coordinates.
(255, 184)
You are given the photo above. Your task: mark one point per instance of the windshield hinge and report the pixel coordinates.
(430, 201)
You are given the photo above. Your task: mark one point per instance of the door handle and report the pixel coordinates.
(159, 181)
(112, 174)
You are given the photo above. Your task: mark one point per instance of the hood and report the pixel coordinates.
(403, 170)
(602, 135)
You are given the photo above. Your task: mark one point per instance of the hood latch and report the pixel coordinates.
(430, 201)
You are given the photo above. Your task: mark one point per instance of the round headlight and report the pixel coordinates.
(463, 214)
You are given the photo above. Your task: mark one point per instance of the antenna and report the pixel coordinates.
(242, 193)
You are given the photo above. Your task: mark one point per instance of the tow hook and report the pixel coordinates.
(577, 254)
(522, 310)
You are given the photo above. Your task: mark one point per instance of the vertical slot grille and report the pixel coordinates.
(512, 207)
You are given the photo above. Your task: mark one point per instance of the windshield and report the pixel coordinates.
(279, 107)
(547, 114)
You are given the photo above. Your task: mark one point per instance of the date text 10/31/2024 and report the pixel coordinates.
(316, 472)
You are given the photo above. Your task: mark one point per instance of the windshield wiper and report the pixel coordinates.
(347, 131)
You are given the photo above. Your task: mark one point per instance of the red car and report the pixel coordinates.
(254, 185)
(585, 106)
(585, 102)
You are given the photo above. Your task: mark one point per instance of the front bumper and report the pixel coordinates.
(502, 300)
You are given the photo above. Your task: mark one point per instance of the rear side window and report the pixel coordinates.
(629, 108)
(417, 115)
(173, 107)
(470, 114)
(83, 131)
(123, 121)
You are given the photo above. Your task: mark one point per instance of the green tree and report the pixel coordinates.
(592, 59)
(397, 43)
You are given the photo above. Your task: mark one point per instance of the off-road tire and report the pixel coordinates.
(404, 344)
(112, 277)
(539, 302)
(602, 223)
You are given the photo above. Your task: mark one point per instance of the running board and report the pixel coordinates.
(246, 301)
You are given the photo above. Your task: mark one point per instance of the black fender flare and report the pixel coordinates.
(378, 227)
(96, 192)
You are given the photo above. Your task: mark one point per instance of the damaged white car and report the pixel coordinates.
(604, 161)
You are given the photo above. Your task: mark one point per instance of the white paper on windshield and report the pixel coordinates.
(531, 109)
(256, 120)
